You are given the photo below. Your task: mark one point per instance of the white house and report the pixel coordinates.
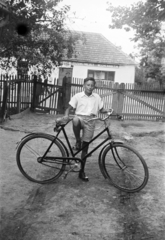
(97, 57)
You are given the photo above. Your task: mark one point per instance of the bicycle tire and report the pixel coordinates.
(36, 145)
(124, 167)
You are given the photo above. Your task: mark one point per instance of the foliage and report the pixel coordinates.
(139, 75)
(35, 32)
(147, 19)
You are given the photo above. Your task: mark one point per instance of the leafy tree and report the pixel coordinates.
(35, 32)
(147, 19)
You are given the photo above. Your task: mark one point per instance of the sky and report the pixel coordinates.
(91, 16)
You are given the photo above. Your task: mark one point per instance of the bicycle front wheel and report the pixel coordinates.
(124, 167)
(29, 154)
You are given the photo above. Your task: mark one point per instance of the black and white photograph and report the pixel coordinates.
(82, 119)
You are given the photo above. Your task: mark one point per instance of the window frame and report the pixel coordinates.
(104, 71)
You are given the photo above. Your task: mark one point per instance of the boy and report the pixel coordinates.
(87, 105)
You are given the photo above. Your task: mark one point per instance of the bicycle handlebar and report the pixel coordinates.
(102, 119)
(60, 122)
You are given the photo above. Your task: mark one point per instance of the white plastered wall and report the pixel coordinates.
(123, 74)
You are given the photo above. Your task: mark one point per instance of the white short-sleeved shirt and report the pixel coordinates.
(86, 105)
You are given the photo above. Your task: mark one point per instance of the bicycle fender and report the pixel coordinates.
(100, 158)
(19, 142)
(103, 149)
(38, 133)
(111, 143)
(117, 141)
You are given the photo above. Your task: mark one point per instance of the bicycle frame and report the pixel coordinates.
(62, 129)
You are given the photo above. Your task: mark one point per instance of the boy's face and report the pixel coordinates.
(89, 86)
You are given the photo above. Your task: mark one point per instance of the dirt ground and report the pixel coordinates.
(74, 210)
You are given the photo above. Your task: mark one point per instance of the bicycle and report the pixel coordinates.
(122, 165)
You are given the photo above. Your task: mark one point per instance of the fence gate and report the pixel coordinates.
(145, 102)
(47, 98)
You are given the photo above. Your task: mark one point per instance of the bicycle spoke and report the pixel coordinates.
(32, 150)
(31, 164)
(135, 176)
(125, 168)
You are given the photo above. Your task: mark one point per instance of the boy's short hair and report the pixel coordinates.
(89, 79)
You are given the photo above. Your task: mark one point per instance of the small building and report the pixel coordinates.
(95, 56)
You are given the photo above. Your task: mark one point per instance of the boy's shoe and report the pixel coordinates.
(83, 176)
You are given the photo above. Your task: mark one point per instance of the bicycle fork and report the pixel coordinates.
(123, 166)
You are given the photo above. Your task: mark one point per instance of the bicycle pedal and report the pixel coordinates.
(76, 167)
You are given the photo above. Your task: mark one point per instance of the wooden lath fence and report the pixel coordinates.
(145, 102)
(28, 93)
(19, 92)
(47, 97)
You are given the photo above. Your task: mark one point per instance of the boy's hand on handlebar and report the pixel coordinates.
(110, 111)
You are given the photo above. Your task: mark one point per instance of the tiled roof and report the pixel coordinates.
(95, 48)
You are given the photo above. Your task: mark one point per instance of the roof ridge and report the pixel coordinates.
(83, 31)
(117, 48)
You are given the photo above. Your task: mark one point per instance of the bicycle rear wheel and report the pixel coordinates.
(29, 154)
(124, 167)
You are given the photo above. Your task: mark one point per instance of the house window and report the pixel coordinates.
(101, 75)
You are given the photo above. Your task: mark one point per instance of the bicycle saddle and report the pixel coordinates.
(61, 121)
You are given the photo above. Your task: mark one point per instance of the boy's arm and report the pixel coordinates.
(72, 105)
(67, 111)
(101, 106)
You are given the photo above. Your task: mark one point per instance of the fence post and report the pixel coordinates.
(34, 92)
(118, 98)
(115, 98)
(67, 91)
(60, 101)
(64, 94)
(19, 97)
(121, 98)
(4, 103)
